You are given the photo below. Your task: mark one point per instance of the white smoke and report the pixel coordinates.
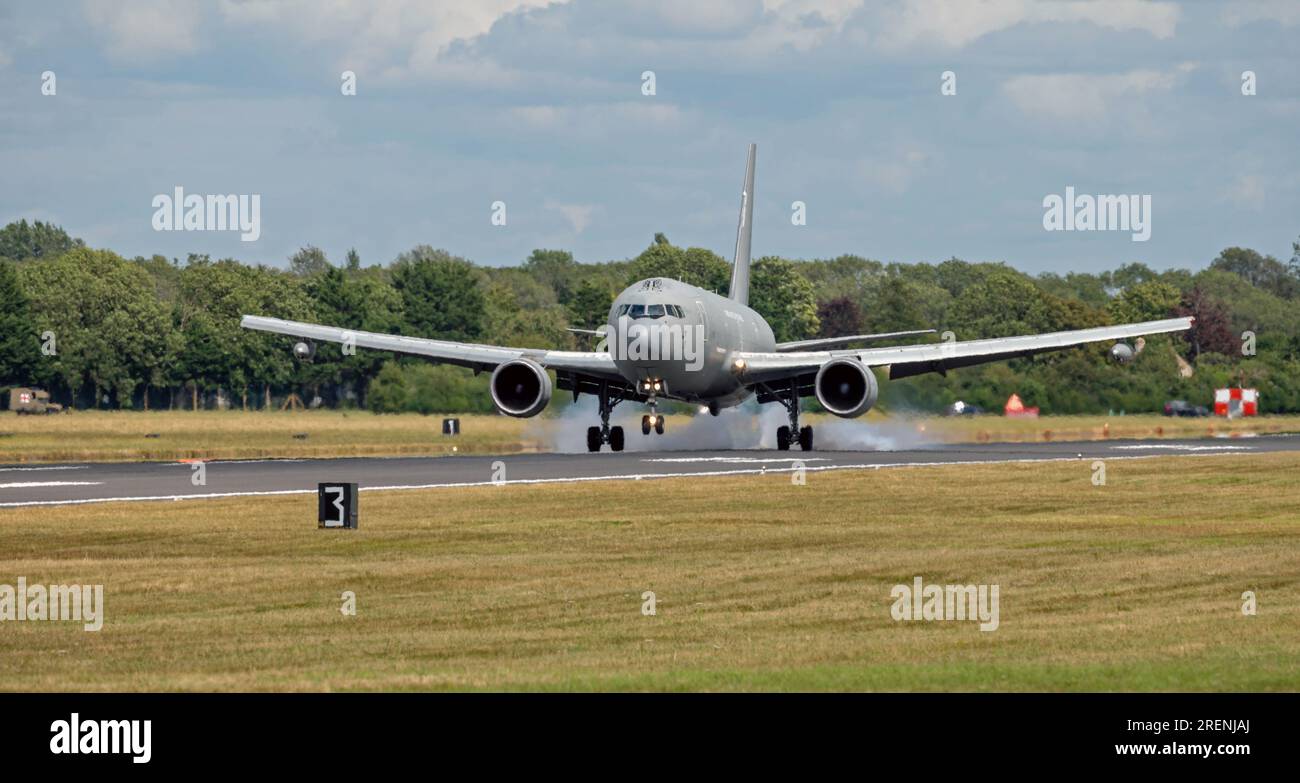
(750, 426)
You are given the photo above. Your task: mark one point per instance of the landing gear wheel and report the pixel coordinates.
(616, 438)
(783, 438)
(659, 425)
(805, 438)
(645, 425)
(593, 439)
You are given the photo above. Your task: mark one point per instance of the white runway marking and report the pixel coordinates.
(618, 477)
(197, 460)
(46, 467)
(736, 460)
(30, 484)
(1184, 447)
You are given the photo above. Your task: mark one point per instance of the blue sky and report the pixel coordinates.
(463, 103)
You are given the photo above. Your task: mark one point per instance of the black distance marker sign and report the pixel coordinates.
(336, 505)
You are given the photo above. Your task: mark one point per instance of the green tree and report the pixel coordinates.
(1147, 301)
(1260, 271)
(440, 294)
(112, 334)
(839, 317)
(590, 305)
(356, 301)
(19, 340)
(218, 352)
(784, 297)
(308, 261)
(555, 269)
(21, 241)
(1004, 303)
(694, 266)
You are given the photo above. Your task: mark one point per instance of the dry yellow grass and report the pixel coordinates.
(760, 584)
(122, 435)
(125, 435)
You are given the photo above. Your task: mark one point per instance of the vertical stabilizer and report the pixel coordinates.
(740, 263)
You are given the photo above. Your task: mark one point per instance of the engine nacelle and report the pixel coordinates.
(1122, 353)
(846, 387)
(520, 388)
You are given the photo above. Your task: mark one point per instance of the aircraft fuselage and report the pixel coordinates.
(684, 338)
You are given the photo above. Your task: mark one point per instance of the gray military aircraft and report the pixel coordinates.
(665, 339)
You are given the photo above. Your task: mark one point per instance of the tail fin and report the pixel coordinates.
(740, 264)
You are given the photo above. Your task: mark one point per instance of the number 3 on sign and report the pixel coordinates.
(337, 505)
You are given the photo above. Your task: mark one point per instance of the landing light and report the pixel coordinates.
(738, 365)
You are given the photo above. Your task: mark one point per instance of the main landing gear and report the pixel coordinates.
(597, 436)
(788, 436)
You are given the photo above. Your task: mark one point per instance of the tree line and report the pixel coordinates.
(102, 331)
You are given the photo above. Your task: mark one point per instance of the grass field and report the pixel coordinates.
(760, 584)
(165, 435)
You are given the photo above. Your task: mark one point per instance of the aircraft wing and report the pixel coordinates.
(907, 360)
(472, 355)
(828, 342)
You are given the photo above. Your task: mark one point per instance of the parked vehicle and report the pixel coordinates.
(1185, 408)
(32, 401)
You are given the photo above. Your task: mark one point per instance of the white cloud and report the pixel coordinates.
(1085, 98)
(139, 30)
(956, 23)
(1285, 12)
(599, 120)
(394, 39)
(894, 171)
(1247, 190)
(578, 215)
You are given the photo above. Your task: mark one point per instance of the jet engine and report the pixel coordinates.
(520, 388)
(1122, 353)
(846, 387)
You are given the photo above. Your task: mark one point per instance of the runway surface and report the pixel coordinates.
(39, 485)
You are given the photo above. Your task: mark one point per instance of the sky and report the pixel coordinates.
(542, 106)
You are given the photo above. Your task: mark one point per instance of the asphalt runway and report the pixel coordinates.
(40, 485)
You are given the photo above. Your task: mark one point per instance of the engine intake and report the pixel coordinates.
(520, 388)
(846, 387)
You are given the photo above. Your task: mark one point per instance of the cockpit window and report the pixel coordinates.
(651, 311)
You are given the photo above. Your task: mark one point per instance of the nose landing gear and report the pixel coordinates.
(652, 421)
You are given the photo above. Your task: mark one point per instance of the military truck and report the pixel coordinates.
(32, 401)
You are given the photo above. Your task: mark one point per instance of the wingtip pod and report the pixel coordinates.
(744, 233)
